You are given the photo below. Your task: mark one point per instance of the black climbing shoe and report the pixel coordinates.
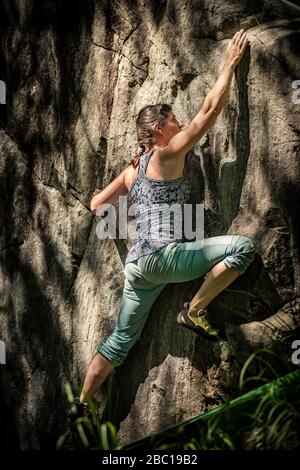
(78, 410)
(199, 324)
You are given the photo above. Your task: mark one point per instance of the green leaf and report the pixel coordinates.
(60, 441)
(82, 435)
(69, 392)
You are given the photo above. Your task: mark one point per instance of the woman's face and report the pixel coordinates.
(172, 126)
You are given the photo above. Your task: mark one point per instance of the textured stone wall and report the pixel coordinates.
(76, 75)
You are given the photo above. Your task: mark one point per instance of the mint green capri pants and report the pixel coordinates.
(146, 277)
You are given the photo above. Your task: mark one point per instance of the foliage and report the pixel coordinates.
(88, 432)
(264, 418)
(268, 420)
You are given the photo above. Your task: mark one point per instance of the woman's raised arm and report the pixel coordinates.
(213, 104)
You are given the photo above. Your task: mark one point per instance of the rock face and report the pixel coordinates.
(76, 75)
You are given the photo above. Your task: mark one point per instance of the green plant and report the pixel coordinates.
(262, 418)
(92, 434)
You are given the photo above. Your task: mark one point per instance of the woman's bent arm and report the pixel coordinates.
(111, 193)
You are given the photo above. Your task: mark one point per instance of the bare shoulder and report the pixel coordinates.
(169, 156)
(182, 142)
(130, 174)
(160, 167)
(171, 164)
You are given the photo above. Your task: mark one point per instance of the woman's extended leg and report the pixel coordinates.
(98, 370)
(137, 300)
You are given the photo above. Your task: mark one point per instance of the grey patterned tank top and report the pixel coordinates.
(156, 207)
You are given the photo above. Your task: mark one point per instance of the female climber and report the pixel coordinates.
(157, 175)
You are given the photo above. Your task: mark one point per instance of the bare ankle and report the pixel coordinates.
(196, 310)
(83, 400)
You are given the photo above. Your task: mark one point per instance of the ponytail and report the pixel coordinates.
(136, 159)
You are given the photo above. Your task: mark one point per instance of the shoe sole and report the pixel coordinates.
(195, 329)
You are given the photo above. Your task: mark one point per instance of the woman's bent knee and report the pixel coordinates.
(242, 256)
(249, 248)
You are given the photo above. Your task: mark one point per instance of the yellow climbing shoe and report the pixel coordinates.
(198, 324)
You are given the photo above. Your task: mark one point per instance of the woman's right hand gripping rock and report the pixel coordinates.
(236, 48)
